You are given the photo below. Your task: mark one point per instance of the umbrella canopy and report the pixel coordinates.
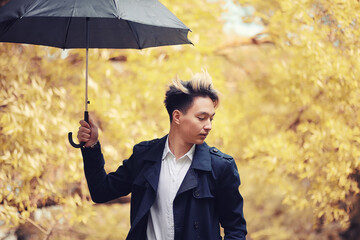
(91, 23)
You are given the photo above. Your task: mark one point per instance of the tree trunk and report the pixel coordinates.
(353, 232)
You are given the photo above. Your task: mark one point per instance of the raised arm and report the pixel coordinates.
(103, 187)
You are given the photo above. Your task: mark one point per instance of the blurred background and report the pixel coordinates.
(288, 74)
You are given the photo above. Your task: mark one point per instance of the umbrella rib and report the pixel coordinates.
(31, 6)
(117, 8)
(67, 32)
(68, 25)
(134, 34)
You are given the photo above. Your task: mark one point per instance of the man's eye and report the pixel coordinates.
(201, 118)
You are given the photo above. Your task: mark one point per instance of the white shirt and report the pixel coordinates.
(160, 224)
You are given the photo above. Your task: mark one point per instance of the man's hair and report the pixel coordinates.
(180, 94)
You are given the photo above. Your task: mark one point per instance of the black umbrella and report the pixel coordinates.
(88, 24)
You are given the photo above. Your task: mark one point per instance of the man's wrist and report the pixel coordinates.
(93, 145)
(96, 143)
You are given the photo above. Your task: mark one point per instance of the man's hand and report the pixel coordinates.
(88, 132)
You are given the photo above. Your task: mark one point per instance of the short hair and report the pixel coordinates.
(180, 94)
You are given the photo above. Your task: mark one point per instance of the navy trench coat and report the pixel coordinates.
(207, 197)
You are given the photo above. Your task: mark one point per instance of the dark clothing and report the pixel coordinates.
(208, 195)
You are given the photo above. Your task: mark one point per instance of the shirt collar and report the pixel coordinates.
(189, 154)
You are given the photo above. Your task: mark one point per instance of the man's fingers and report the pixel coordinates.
(83, 137)
(83, 123)
(88, 132)
(88, 125)
(84, 130)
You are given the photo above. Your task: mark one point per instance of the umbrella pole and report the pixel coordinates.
(86, 113)
(86, 81)
(87, 67)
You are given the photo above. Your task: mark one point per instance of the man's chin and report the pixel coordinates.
(197, 141)
(200, 141)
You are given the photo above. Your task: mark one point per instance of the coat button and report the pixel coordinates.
(196, 193)
(215, 150)
(147, 185)
(196, 225)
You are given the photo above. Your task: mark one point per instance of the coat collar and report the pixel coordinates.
(156, 150)
(201, 160)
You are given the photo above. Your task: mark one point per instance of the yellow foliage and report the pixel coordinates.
(311, 94)
(289, 115)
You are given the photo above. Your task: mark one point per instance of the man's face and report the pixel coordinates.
(196, 123)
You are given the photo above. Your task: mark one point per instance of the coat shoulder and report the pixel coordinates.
(145, 145)
(148, 143)
(216, 153)
(222, 165)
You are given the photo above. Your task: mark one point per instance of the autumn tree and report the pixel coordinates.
(304, 131)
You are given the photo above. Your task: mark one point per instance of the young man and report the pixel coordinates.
(181, 188)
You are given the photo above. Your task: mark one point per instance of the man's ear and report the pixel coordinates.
(176, 116)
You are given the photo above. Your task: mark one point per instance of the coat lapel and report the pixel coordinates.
(151, 177)
(154, 155)
(202, 162)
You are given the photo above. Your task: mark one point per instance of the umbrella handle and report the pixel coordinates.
(86, 118)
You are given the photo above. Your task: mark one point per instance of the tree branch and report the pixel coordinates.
(37, 226)
(49, 232)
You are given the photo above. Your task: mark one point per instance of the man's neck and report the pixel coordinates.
(178, 146)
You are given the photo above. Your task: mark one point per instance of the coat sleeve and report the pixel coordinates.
(230, 203)
(104, 187)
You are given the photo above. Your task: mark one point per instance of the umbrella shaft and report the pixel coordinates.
(86, 80)
(87, 65)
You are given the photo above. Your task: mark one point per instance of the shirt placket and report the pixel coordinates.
(172, 192)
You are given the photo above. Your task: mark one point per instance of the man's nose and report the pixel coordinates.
(208, 125)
